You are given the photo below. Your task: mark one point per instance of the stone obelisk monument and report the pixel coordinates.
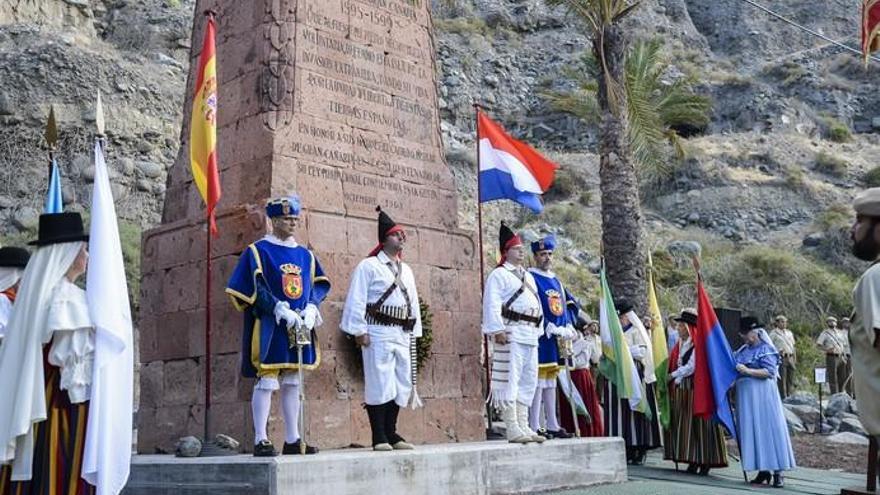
(336, 100)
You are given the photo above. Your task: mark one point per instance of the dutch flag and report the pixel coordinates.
(511, 169)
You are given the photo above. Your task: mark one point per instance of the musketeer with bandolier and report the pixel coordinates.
(382, 314)
(512, 317)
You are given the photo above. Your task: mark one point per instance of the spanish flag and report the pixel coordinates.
(870, 27)
(203, 127)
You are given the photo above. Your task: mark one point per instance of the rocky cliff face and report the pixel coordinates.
(62, 53)
(760, 172)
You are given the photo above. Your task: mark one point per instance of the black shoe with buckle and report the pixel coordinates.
(265, 449)
(560, 433)
(294, 448)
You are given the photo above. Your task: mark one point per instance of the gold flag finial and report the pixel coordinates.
(51, 130)
(99, 116)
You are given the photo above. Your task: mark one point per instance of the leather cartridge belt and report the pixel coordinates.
(516, 316)
(390, 316)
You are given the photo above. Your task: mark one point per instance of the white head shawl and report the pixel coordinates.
(9, 275)
(639, 327)
(21, 355)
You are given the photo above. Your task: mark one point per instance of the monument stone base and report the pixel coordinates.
(478, 468)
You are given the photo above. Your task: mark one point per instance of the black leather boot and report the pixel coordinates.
(397, 442)
(377, 415)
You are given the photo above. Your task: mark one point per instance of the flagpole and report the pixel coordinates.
(482, 270)
(208, 235)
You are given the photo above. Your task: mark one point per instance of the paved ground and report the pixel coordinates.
(659, 477)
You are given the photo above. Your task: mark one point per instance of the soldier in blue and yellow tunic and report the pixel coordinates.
(560, 312)
(278, 285)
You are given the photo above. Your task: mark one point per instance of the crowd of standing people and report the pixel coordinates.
(546, 353)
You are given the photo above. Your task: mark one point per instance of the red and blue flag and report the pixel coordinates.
(715, 368)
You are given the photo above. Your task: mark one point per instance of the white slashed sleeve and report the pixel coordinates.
(73, 340)
(354, 314)
(492, 321)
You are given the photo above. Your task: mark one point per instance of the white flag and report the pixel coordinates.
(109, 432)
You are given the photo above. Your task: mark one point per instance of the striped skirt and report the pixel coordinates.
(692, 440)
(58, 446)
(583, 382)
(634, 427)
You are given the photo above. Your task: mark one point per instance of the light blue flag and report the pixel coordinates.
(53, 199)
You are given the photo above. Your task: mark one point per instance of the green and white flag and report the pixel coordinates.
(661, 353)
(617, 363)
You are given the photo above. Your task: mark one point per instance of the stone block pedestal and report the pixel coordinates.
(486, 468)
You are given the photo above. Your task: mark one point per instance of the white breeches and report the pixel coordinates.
(387, 373)
(522, 374)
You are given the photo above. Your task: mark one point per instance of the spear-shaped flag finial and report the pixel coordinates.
(51, 130)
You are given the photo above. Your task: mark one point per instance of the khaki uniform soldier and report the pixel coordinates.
(783, 339)
(835, 343)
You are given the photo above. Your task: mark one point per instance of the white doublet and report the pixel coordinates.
(387, 362)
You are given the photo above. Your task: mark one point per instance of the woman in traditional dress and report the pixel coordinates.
(697, 442)
(763, 433)
(46, 362)
(639, 431)
(586, 351)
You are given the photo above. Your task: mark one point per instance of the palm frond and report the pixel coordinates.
(655, 107)
(579, 103)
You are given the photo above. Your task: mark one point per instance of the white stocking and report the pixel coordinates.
(261, 402)
(290, 408)
(550, 408)
(535, 411)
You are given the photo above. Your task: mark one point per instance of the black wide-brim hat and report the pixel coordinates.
(56, 228)
(687, 317)
(14, 256)
(623, 306)
(747, 324)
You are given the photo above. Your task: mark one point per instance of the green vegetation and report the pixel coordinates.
(658, 113)
(835, 216)
(789, 72)
(796, 179)
(466, 26)
(567, 184)
(831, 165)
(585, 198)
(835, 130)
(872, 177)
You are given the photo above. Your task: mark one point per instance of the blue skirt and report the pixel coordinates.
(763, 432)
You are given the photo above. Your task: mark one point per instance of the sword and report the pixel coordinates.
(300, 337)
(302, 340)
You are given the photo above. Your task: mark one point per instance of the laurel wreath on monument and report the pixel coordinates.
(423, 343)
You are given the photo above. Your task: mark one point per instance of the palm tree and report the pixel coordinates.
(658, 112)
(622, 233)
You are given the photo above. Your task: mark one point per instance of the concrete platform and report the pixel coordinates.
(469, 468)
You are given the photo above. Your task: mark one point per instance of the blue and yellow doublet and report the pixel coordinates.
(266, 274)
(561, 310)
